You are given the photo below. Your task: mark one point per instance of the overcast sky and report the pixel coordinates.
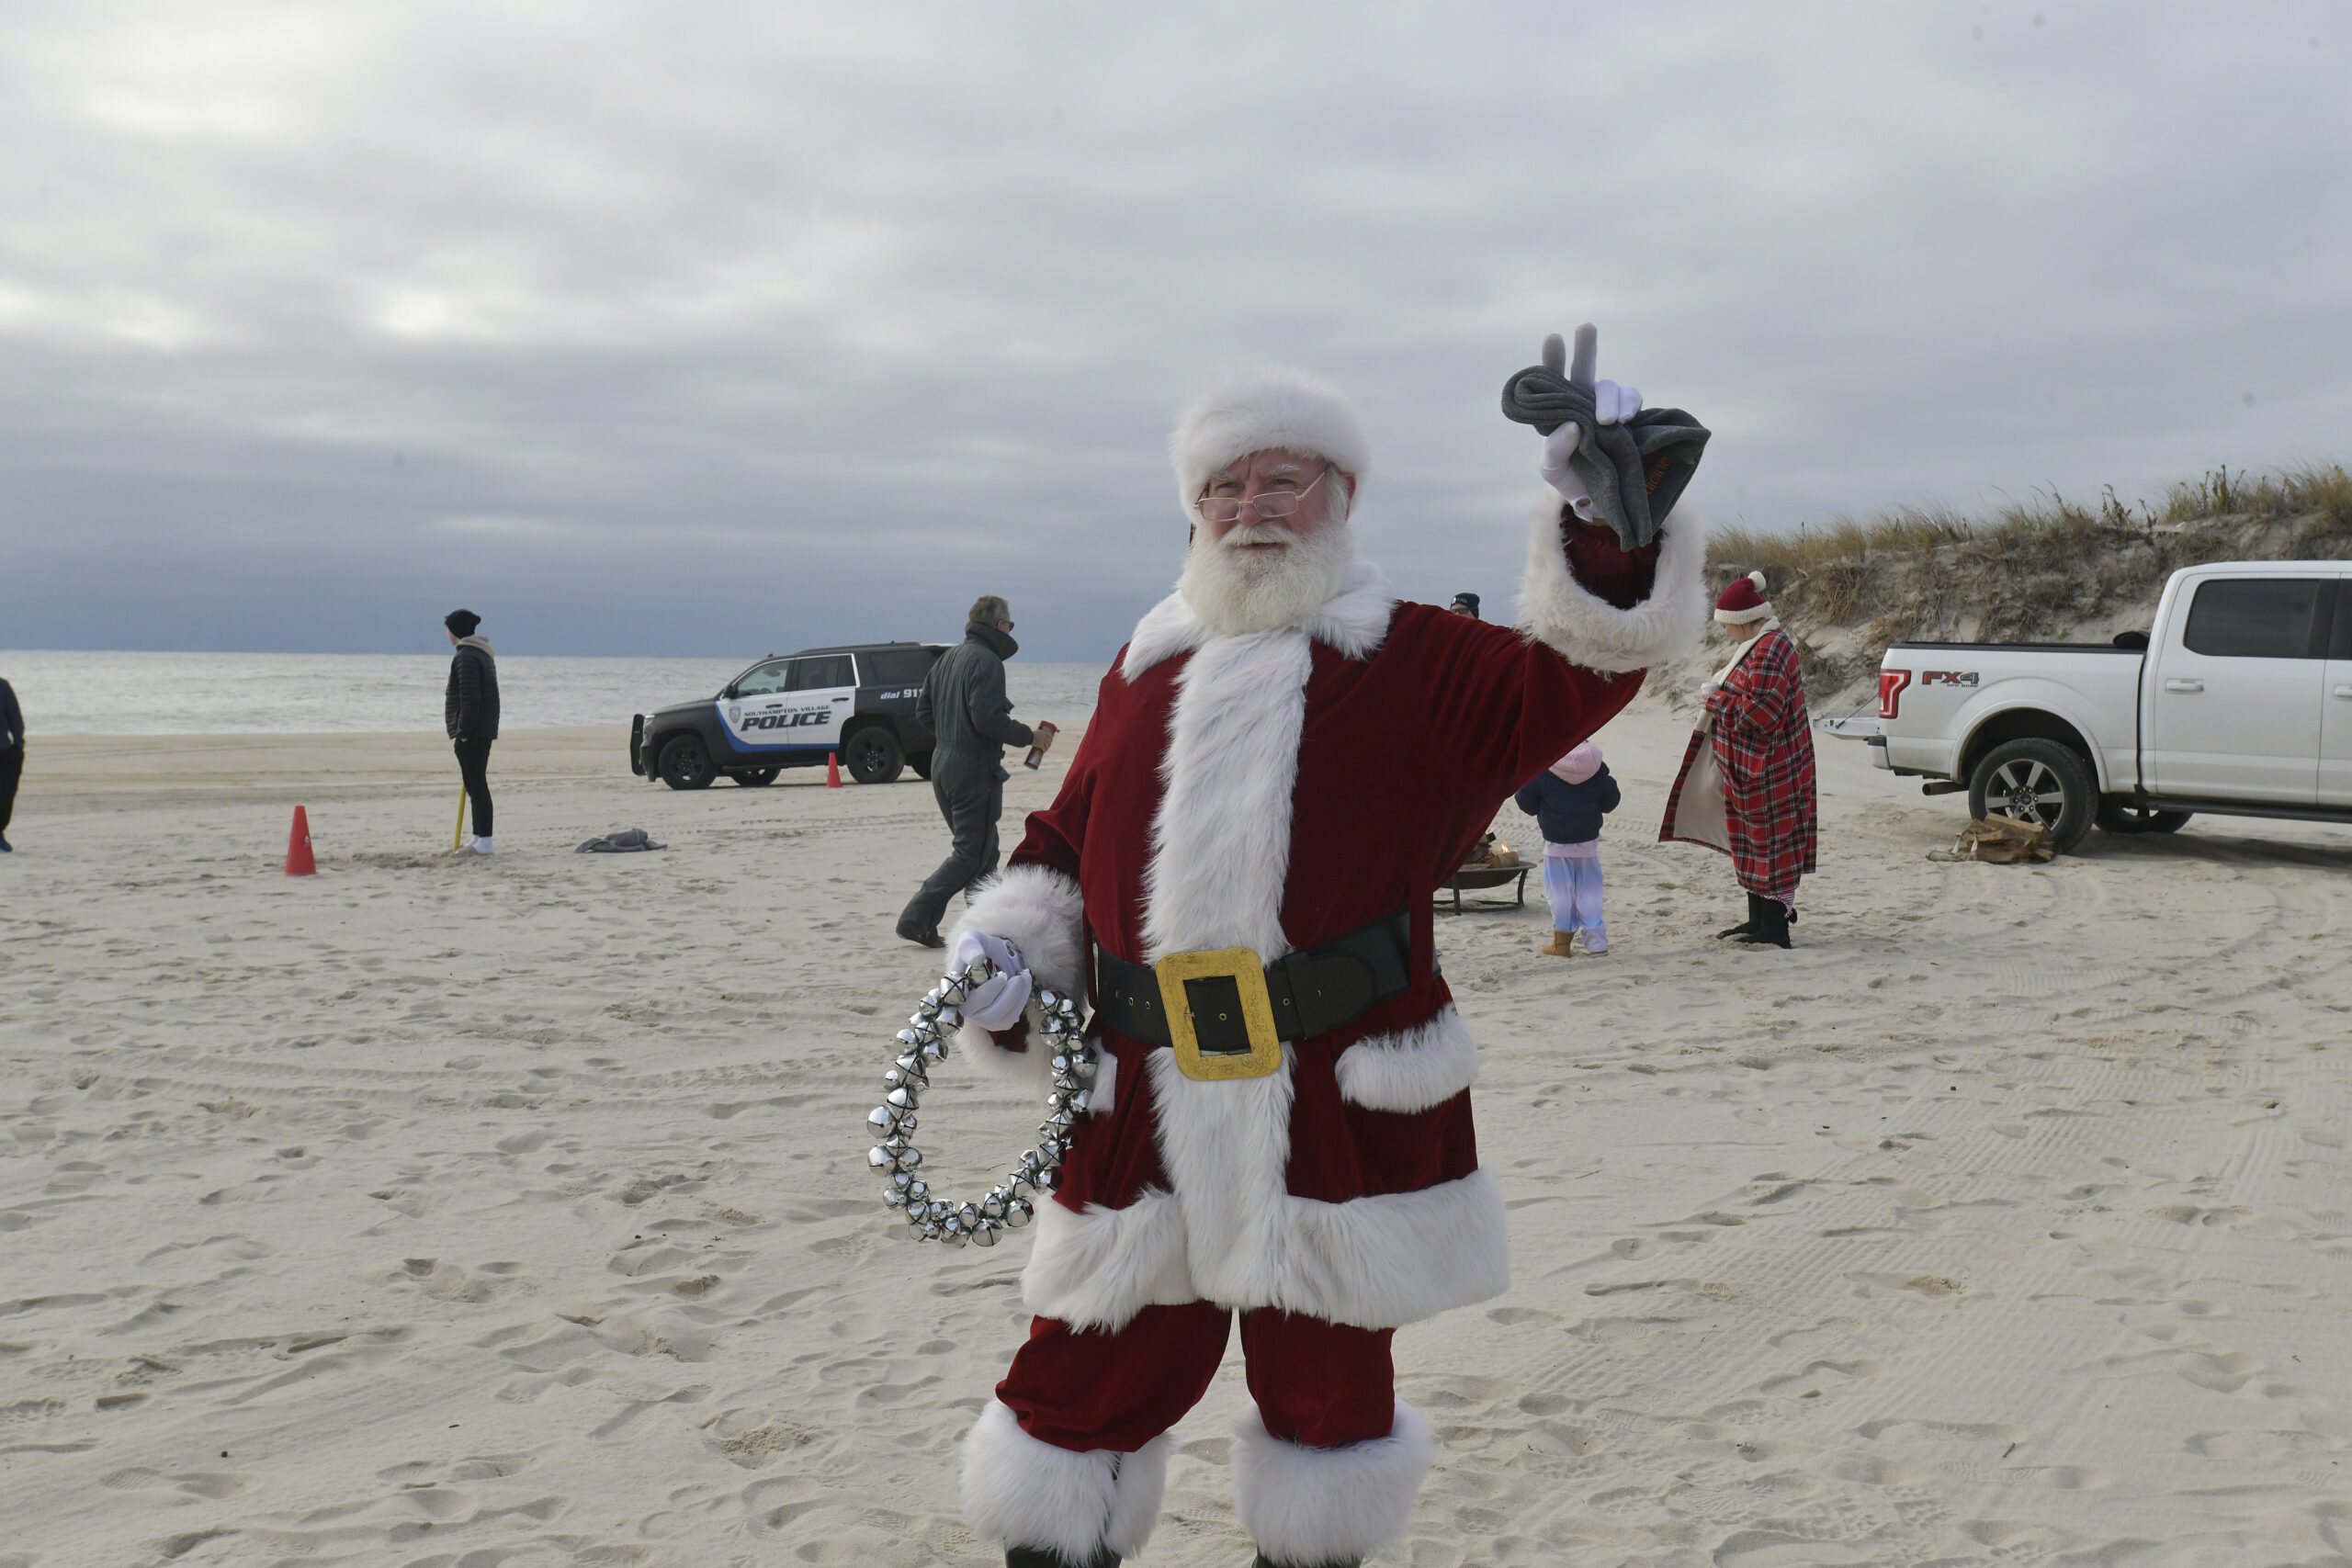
(718, 328)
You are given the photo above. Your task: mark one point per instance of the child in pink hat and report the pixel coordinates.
(1568, 801)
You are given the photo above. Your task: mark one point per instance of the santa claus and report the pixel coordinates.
(1284, 761)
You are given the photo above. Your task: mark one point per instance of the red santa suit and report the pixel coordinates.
(1273, 792)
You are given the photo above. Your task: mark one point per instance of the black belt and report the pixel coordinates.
(1314, 991)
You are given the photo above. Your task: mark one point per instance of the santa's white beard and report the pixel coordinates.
(1236, 591)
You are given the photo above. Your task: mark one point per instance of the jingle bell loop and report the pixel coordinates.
(1011, 1203)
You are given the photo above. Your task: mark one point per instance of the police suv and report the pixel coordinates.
(792, 711)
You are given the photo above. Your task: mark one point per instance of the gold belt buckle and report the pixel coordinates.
(1248, 993)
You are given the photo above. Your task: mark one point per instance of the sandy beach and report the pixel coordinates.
(441, 1210)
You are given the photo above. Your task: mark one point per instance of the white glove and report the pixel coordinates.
(995, 1003)
(1611, 404)
(1557, 449)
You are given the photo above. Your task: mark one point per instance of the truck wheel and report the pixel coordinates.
(2129, 816)
(921, 763)
(756, 778)
(686, 762)
(874, 755)
(2038, 782)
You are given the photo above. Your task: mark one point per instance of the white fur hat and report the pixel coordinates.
(1255, 410)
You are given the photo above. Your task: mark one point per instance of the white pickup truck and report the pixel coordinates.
(2237, 702)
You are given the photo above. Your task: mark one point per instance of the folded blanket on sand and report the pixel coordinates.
(627, 839)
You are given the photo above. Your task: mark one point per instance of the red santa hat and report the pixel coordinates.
(1258, 410)
(1744, 600)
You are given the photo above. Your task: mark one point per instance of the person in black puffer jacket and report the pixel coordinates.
(964, 705)
(1568, 801)
(470, 712)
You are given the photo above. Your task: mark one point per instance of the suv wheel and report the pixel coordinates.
(2038, 782)
(686, 762)
(755, 777)
(2128, 816)
(874, 755)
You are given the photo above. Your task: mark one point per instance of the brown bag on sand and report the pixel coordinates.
(2001, 841)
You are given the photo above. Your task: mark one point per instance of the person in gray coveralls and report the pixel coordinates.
(964, 706)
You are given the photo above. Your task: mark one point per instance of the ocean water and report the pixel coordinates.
(242, 694)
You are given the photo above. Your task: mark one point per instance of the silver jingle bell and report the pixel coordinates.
(912, 1159)
(984, 1236)
(880, 1159)
(905, 1037)
(881, 1117)
(1018, 1213)
(893, 1199)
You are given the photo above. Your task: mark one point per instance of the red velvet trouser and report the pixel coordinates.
(1322, 1385)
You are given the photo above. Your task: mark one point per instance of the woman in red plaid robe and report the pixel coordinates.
(1746, 782)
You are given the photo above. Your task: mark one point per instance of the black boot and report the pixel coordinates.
(1755, 908)
(1263, 1561)
(1039, 1556)
(1772, 926)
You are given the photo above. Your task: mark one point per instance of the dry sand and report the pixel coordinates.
(437, 1210)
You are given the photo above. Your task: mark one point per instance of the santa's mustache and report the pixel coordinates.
(1260, 533)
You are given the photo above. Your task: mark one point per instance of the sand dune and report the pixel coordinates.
(440, 1211)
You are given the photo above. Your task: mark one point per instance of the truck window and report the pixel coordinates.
(2339, 646)
(761, 680)
(894, 666)
(2254, 618)
(822, 670)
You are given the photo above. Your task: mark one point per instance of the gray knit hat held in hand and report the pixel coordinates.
(1633, 462)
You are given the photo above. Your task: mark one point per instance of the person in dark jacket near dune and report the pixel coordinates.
(1568, 801)
(470, 712)
(964, 705)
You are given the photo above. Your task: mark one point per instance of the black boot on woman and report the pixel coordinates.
(1772, 925)
(1745, 926)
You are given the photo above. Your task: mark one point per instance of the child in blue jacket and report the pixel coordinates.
(1568, 801)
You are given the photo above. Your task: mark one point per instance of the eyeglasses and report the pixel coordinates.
(1266, 503)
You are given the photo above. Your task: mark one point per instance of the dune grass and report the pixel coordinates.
(2049, 568)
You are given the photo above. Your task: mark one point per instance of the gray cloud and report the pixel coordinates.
(713, 329)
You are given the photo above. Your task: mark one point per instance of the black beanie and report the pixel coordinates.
(462, 621)
(1468, 601)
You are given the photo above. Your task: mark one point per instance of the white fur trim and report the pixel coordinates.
(1258, 410)
(1309, 1505)
(1220, 841)
(1354, 621)
(1103, 1093)
(1377, 1262)
(1587, 629)
(1026, 1070)
(1038, 910)
(1412, 1069)
(1098, 1268)
(1021, 1492)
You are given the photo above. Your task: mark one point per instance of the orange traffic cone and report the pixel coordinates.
(298, 847)
(832, 770)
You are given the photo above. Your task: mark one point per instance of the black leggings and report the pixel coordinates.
(473, 762)
(12, 768)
